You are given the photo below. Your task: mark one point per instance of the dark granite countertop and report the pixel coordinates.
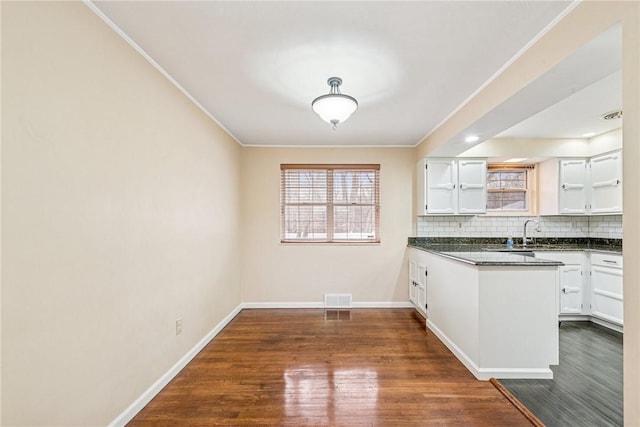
(492, 251)
(485, 258)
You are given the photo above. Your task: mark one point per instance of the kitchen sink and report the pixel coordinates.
(516, 250)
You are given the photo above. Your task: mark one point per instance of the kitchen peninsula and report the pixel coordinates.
(496, 311)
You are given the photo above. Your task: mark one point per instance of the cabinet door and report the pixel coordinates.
(606, 293)
(413, 283)
(573, 296)
(421, 187)
(441, 186)
(573, 192)
(606, 183)
(472, 186)
(570, 289)
(422, 289)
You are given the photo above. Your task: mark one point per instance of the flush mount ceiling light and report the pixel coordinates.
(472, 138)
(334, 107)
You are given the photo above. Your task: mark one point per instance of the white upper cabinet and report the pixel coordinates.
(584, 186)
(573, 189)
(441, 187)
(606, 183)
(472, 186)
(452, 186)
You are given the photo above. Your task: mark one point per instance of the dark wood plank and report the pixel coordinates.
(300, 367)
(587, 385)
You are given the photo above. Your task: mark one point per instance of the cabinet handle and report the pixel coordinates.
(564, 290)
(564, 186)
(617, 181)
(609, 261)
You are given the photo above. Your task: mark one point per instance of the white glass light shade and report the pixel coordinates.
(334, 108)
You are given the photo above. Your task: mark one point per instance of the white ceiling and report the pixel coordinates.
(256, 66)
(577, 116)
(566, 101)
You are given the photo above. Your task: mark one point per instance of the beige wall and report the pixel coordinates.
(631, 222)
(120, 213)
(519, 147)
(273, 272)
(606, 142)
(584, 22)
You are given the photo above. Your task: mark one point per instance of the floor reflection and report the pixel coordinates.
(319, 391)
(337, 315)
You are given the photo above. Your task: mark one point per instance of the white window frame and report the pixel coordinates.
(330, 204)
(527, 169)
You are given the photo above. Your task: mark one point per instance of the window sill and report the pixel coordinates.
(328, 243)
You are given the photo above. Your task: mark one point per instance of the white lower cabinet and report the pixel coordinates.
(422, 289)
(418, 282)
(571, 289)
(606, 288)
(499, 321)
(590, 285)
(572, 281)
(413, 283)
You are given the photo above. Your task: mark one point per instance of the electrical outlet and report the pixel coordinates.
(178, 326)
(459, 225)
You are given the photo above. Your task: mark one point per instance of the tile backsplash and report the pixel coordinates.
(606, 227)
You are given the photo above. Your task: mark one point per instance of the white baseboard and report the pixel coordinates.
(607, 324)
(320, 304)
(461, 355)
(155, 388)
(574, 318)
(516, 373)
(382, 304)
(593, 319)
(485, 374)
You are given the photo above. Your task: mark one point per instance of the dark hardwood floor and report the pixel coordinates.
(373, 367)
(587, 386)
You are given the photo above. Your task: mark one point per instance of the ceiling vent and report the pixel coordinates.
(612, 115)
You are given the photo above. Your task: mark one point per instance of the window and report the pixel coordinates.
(507, 188)
(330, 203)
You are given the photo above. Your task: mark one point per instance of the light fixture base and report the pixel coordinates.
(334, 81)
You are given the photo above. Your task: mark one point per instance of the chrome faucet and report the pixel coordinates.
(526, 239)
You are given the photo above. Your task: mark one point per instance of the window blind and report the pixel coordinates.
(507, 187)
(329, 203)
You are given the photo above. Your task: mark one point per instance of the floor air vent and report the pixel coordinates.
(337, 300)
